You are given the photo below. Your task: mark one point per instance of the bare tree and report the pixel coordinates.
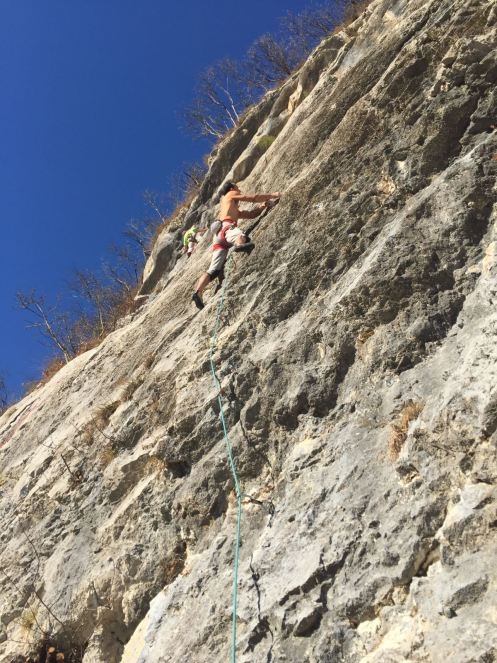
(157, 201)
(272, 58)
(93, 296)
(269, 61)
(52, 324)
(220, 97)
(306, 29)
(185, 183)
(102, 300)
(194, 174)
(226, 88)
(4, 397)
(141, 233)
(124, 269)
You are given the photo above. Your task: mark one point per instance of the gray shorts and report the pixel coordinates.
(233, 234)
(217, 261)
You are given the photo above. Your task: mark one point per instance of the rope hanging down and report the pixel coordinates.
(227, 442)
(231, 460)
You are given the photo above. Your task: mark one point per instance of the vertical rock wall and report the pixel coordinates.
(358, 363)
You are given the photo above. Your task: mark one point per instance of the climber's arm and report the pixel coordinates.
(254, 198)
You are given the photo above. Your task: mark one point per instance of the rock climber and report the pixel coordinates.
(229, 235)
(190, 240)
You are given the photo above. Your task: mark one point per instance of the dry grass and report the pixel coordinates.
(155, 464)
(363, 336)
(104, 413)
(28, 620)
(361, 342)
(98, 422)
(131, 387)
(149, 361)
(176, 563)
(87, 433)
(54, 365)
(346, 250)
(123, 306)
(400, 427)
(88, 345)
(106, 455)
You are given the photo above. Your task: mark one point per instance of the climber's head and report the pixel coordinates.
(228, 186)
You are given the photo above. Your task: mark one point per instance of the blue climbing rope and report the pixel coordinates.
(229, 451)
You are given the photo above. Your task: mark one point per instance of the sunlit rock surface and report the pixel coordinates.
(358, 357)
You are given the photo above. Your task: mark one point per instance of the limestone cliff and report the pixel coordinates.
(358, 361)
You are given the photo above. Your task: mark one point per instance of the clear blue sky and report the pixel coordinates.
(90, 95)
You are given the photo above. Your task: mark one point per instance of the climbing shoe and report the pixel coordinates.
(248, 247)
(196, 299)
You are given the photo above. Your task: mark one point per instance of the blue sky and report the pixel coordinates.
(90, 96)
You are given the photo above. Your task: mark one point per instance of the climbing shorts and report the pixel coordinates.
(217, 261)
(233, 234)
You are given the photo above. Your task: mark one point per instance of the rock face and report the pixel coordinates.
(358, 364)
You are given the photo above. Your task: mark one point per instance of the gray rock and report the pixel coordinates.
(161, 260)
(357, 362)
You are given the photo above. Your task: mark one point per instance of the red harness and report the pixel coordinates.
(222, 242)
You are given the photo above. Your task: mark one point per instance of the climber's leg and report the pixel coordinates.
(240, 240)
(245, 247)
(216, 266)
(220, 279)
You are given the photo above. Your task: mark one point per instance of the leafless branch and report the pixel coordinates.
(52, 324)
